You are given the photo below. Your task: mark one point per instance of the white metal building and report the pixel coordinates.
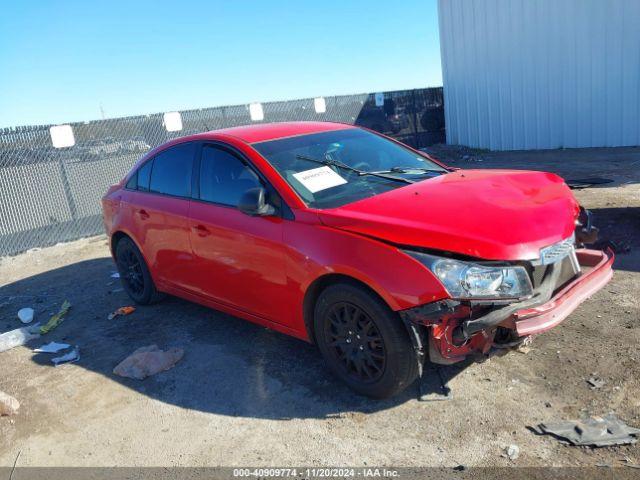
(532, 74)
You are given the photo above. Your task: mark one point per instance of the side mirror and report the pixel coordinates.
(253, 203)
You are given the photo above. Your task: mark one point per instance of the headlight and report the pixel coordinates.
(466, 280)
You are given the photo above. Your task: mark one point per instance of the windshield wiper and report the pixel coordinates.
(335, 163)
(409, 169)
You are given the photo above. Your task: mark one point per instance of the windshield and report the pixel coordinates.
(331, 169)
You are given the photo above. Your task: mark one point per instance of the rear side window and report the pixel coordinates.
(132, 184)
(144, 175)
(171, 173)
(224, 177)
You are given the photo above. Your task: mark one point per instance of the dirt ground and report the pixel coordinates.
(243, 395)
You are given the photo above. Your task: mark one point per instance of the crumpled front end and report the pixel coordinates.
(459, 328)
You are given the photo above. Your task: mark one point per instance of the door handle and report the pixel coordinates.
(201, 230)
(143, 214)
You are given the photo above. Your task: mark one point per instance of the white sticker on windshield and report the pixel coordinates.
(318, 179)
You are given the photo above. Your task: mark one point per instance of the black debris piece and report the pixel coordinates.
(578, 183)
(594, 432)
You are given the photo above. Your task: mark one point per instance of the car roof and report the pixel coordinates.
(272, 131)
(260, 132)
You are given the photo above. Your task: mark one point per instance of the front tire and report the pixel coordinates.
(363, 341)
(134, 274)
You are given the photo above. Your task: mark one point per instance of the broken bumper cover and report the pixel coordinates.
(596, 272)
(455, 332)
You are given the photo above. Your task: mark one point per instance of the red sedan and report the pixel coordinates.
(376, 252)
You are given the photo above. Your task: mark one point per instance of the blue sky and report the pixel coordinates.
(61, 60)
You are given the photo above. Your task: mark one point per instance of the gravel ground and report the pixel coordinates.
(243, 395)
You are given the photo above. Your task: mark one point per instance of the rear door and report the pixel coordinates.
(158, 203)
(239, 258)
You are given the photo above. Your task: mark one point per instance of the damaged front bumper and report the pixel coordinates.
(458, 329)
(596, 268)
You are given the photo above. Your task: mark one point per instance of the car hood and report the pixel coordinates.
(489, 214)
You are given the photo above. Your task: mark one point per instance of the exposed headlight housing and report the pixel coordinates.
(473, 281)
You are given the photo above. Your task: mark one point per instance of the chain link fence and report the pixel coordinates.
(50, 195)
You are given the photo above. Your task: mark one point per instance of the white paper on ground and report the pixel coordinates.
(318, 179)
(72, 356)
(52, 347)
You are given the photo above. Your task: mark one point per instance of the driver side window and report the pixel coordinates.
(224, 177)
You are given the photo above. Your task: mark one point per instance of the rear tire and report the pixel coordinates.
(134, 273)
(363, 341)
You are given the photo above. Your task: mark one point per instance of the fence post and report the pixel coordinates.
(415, 119)
(224, 118)
(67, 188)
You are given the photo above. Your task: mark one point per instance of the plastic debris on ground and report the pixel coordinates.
(595, 431)
(525, 345)
(52, 347)
(57, 319)
(512, 452)
(115, 275)
(26, 315)
(595, 383)
(8, 405)
(72, 356)
(121, 311)
(147, 361)
(18, 337)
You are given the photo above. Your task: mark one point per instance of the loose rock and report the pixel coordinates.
(8, 405)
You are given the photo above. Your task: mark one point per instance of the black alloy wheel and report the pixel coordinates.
(356, 342)
(134, 273)
(131, 269)
(363, 341)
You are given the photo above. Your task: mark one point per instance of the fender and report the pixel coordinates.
(315, 251)
(116, 223)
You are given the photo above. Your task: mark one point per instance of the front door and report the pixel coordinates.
(239, 258)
